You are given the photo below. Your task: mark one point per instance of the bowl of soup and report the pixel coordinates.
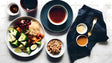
(82, 40)
(57, 14)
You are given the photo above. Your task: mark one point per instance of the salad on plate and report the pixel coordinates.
(25, 35)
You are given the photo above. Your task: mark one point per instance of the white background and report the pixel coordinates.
(101, 52)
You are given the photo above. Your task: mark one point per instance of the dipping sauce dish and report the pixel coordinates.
(81, 28)
(82, 40)
(13, 9)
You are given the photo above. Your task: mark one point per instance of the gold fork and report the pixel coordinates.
(94, 22)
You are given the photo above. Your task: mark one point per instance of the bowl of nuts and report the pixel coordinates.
(55, 48)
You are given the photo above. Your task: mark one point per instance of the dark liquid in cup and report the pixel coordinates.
(14, 8)
(57, 14)
(29, 4)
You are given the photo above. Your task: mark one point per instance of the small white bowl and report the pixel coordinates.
(66, 15)
(82, 45)
(85, 28)
(57, 55)
(9, 12)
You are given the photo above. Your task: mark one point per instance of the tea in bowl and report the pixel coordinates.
(57, 14)
(82, 40)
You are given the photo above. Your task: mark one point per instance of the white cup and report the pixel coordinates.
(79, 37)
(65, 18)
(80, 31)
(9, 11)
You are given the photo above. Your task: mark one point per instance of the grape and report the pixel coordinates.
(23, 24)
(27, 27)
(15, 26)
(27, 21)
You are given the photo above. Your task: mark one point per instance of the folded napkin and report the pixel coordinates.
(99, 33)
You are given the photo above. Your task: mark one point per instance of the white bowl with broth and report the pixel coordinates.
(57, 14)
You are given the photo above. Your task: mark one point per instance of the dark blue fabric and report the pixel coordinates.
(99, 33)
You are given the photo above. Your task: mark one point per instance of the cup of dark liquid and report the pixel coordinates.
(29, 5)
(57, 14)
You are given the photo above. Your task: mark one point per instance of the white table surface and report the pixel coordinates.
(101, 52)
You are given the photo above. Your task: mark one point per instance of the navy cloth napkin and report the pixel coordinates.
(99, 33)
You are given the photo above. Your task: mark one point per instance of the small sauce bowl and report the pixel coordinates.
(13, 9)
(82, 40)
(81, 28)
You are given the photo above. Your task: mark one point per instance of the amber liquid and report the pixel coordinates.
(14, 8)
(82, 41)
(57, 14)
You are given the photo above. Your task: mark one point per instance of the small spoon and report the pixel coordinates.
(94, 22)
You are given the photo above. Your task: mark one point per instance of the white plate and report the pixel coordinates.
(24, 54)
(57, 55)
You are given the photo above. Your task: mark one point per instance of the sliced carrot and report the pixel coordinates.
(37, 40)
(29, 41)
(18, 29)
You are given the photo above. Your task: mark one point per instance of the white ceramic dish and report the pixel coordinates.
(82, 45)
(85, 28)
(9, 12)
(57, 55)
(66, 15)
(24, 54)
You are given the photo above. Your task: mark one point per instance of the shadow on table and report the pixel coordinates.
(33, 14)
(56, 33)
(104, 43)
(54, 60)
(13, 17)
(25, 58)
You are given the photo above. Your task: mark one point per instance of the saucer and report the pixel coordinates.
(55, 28)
